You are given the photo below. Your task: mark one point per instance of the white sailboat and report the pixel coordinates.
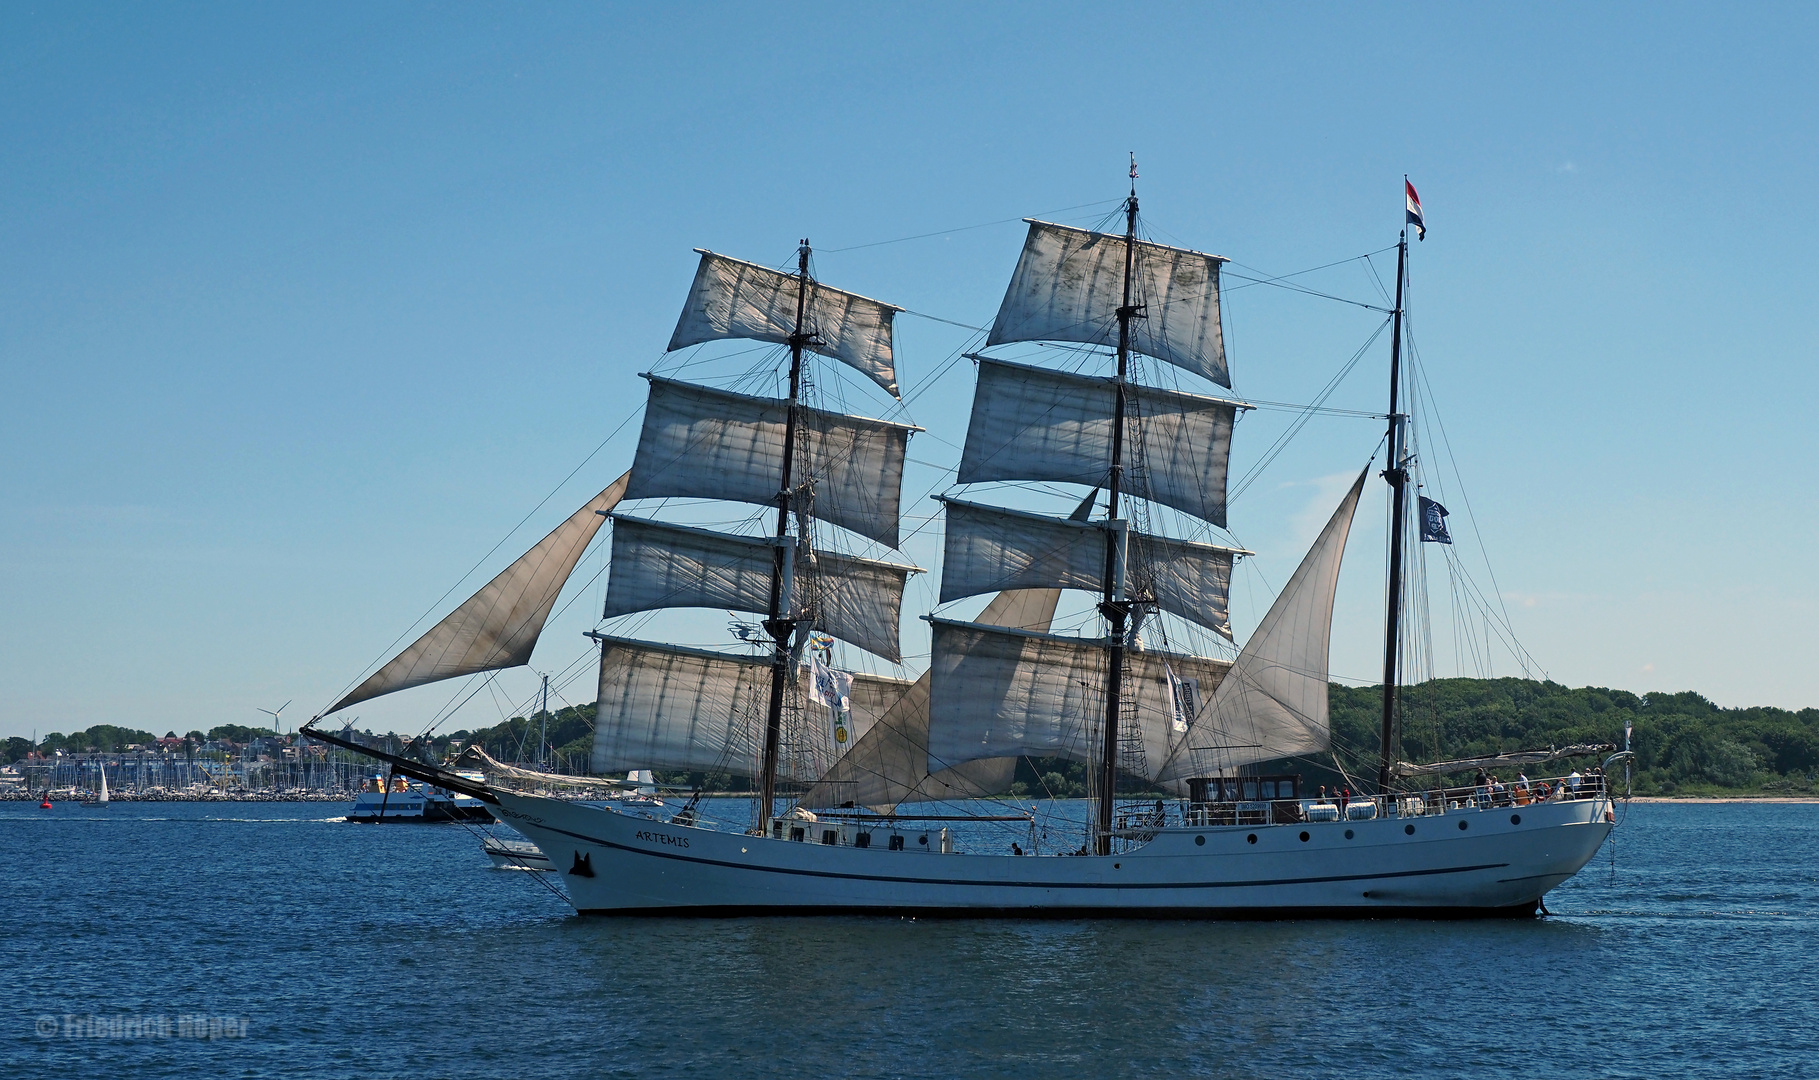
(101, 796)
(1003, 685)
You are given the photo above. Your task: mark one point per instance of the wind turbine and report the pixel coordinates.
(279, 729)
(275, 715)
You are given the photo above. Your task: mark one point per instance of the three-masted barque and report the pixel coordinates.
(1004, 684)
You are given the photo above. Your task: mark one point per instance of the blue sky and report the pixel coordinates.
(303, 309)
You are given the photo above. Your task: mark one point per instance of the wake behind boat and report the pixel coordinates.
(1241, 837)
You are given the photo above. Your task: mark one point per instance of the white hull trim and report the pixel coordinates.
(1497, 861)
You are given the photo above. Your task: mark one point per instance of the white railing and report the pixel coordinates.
(1403, 804)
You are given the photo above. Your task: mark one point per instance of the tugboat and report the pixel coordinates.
(403, 800)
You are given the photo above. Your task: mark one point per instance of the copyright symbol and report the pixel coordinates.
(47, 1025)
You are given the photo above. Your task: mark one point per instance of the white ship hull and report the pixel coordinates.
(1470, 862)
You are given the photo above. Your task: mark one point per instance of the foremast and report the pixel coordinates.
(667, 706)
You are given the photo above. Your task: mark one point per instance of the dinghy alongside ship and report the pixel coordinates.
(1000, 686)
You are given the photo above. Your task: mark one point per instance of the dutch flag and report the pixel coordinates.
(1414, 210)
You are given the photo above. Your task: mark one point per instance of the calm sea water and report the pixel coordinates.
(336, 950)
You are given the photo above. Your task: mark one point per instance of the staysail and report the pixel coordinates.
(1273, 703)
(656, 565)
(703, 443)
(498, 626)
(1030, 423)
(1069, 284)
(998, 693)
(889, 764)
(732, 298)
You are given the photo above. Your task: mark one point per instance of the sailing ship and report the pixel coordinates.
(852, 750)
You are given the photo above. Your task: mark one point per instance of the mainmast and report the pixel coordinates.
(1114, 607)
(1397, 476)
(778, 624)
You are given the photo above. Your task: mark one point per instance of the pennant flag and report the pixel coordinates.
(1433, 522)
(1414, 211)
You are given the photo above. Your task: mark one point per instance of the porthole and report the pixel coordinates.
(1252, 838)
(1199, 841)
(1515, 819)
(1304, 838)
(1410, 829)
(1462, 826)
(1348, 834)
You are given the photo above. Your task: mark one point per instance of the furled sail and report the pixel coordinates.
(1030, 423)
(669, 707)
(889, 764)
(1069, 284)
(989, 548)
(735, 299)
(704, 443)
(998, 693)
(498, 626)
(663, 566)
(1273, 703)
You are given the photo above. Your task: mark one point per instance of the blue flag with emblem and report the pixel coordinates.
(1433, 522)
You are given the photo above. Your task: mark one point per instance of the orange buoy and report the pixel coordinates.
(45, 805)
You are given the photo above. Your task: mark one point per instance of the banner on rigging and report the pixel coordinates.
(1184, 698)
(833, 688)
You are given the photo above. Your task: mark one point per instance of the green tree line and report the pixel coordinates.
(1684, 743)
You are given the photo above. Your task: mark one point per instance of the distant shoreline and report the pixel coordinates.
(1726, 799)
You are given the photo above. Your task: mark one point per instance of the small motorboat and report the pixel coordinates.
(515, 854)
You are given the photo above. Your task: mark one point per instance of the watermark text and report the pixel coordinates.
(137, 1026)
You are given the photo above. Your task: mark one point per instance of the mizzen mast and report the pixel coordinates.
(1397, 477)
